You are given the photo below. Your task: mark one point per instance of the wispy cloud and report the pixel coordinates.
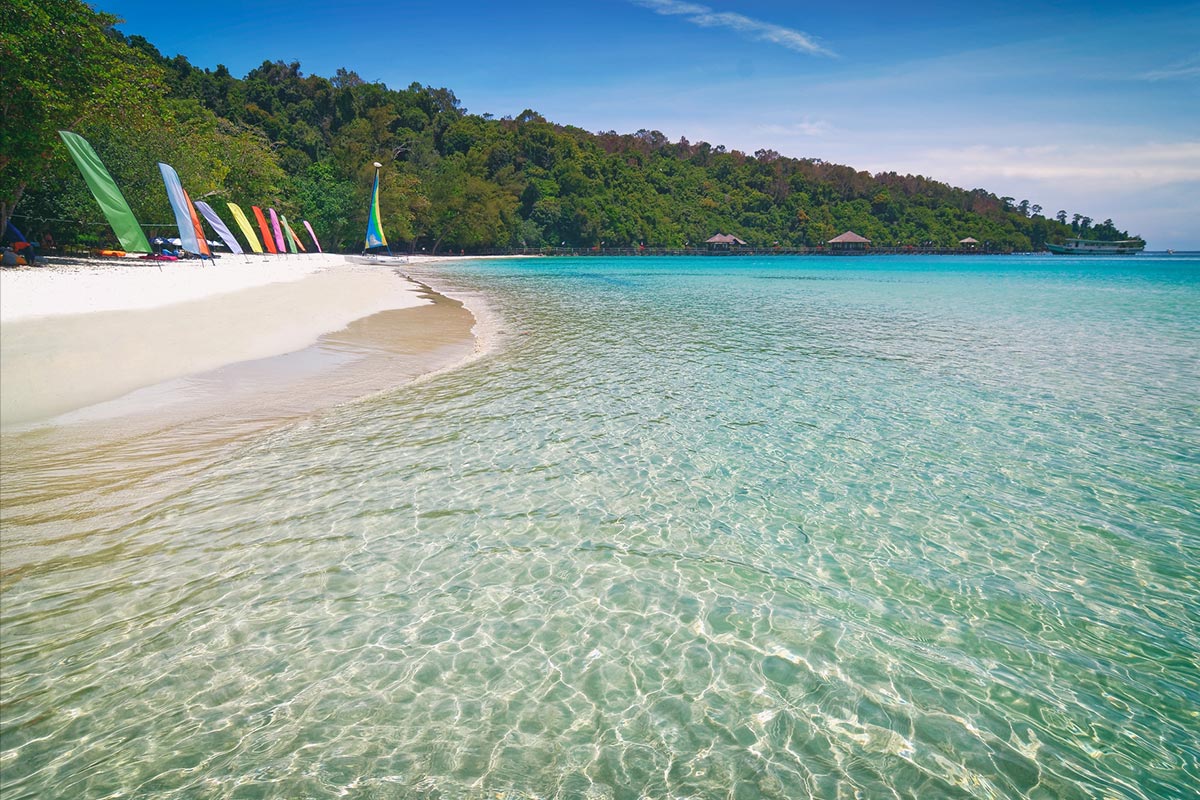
(1141, 165)
(706, 17)
(805, 127)
(1188, 68)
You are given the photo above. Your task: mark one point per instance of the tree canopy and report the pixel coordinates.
(61, 65)
(450, 179)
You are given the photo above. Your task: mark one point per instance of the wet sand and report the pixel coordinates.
(54, 365)
(153, 435)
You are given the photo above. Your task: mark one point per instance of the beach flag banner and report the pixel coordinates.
(279, 245)
(205, 250)
(266, 232)
(375, 237)
(292, 238)
(287, 233)
(308, 228)
(296, 236)
(104, 189)
(244, 224)
(219, 226)
(183, 210)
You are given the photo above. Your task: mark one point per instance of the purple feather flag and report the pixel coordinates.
(277, 231)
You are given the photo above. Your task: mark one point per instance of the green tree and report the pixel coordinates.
(61, 66)
(451, 179)
(329, 205)
(466, 211)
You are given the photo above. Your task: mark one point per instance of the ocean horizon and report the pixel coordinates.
(918, 527)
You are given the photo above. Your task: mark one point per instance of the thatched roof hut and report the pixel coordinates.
(723, 241)
(849, 241)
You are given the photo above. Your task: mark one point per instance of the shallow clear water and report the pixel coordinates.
(871, 527)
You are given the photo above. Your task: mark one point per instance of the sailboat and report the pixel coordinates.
(375, 238)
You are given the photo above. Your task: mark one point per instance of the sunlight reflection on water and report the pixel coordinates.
(894, 527)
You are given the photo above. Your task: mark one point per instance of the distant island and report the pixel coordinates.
(451, 180)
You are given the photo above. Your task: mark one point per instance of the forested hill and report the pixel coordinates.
(451, 179)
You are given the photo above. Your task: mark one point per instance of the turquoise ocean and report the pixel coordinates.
(875, 527)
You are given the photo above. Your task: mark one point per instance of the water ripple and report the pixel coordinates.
(890, 529)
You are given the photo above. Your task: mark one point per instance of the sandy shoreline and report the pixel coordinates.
(75, 335)
(81, 286)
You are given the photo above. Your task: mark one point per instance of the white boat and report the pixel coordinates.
(1096, 247)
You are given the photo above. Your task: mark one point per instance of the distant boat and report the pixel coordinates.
(1096, 247)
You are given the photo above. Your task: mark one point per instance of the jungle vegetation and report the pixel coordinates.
(451, 180)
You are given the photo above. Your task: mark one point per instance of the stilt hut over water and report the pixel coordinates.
(849, 241)
(724, 241)
(969, 243)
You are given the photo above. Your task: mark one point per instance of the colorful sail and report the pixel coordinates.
(182, 206)
(266, 232)
(308, 228)
(205, 250)
(375, 237)
(219, 226)
(292, 238)
(104, 189)
(244, 224)
(279, 245)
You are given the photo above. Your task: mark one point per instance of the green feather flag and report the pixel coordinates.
(105, 190)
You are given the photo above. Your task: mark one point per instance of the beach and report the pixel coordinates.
(78, 334)
(696, 527)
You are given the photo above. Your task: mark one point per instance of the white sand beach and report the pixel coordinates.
(91, 285)
(73, 335)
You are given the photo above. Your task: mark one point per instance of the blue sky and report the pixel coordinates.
(1089, 107)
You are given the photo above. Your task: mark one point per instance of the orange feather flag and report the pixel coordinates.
(266, 232)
